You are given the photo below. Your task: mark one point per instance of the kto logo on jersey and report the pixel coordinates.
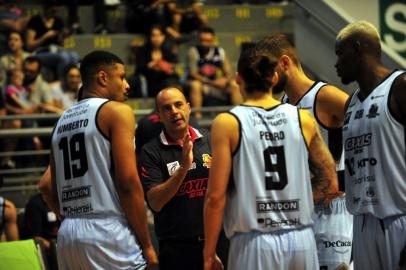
(277, 206)
(361, 163)
(358, 142)
(206, 160)
(373, 111)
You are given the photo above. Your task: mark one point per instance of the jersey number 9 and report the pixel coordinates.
(276, 177)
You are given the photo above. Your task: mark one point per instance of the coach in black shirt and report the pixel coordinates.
(174, 172)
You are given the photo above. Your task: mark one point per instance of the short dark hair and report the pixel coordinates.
(206, 29)
(94, 62)
(69, 67)
(33, 59)
(257, 69)
(278, 45)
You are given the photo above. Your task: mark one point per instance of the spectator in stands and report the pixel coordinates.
(17, 101)
(45, 33)
(40, 92)
(17, 97)
(8, 220)
(184, 17)
(13, 59)
(65, 91)
(11, 19)
(210, 76)
(143, 14)
(156, 62)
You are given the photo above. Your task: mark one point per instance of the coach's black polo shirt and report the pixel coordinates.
(182, 216)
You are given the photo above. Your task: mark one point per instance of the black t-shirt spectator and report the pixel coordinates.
(37, 24)
(40, 220)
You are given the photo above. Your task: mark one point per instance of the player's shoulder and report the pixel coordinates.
(331, 93)
(307, 119)
(226, 118)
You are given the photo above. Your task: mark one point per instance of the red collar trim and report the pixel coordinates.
(166, 140)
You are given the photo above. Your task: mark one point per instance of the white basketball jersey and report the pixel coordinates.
(374, 144)
(332, 137)
(270, 185)
(83, 163)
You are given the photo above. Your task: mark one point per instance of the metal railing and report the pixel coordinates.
(25, 179)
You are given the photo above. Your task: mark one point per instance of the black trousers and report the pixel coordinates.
(187, 254)
(183, 254)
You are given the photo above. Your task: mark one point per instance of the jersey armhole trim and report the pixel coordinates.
(307, 92)
(239, 134)
(390, 111)
(315, 110)
(301, 130)
(97, 123)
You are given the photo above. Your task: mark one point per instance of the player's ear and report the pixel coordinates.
(101, 78)
(284, 62)
(275, 78)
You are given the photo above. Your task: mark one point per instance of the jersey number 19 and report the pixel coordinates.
(74, 156)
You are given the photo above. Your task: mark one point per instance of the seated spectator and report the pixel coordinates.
(40, 92)
(42, 225)
(143, 14)
(184, 17)
(17, 102)
(11, 18)
(17, 97)
(13, 59)
(65, 91)
(8, 220)
(209, 74)
(45, 33)
(156, 62)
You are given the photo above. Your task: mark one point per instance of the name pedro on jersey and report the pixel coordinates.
(73, 125)
(271, 136)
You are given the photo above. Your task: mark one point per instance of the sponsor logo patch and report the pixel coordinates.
(172, 167)
(206, 160)
(277, 206)
(76, 193)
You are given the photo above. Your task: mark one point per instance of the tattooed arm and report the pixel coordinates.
(321, 163)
